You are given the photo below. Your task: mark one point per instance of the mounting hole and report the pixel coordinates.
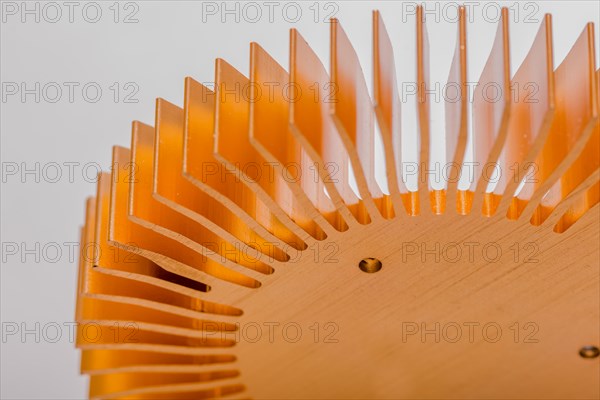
(589, 352)
(370, 265)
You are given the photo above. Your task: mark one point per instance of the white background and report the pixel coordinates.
(169, 41)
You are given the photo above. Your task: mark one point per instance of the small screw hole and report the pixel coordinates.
(589, 352)
(370, 265)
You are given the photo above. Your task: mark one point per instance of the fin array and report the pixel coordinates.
(170, 238)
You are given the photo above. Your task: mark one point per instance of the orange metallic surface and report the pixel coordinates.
(574, 123)
(386, 101)
(204, 170)
(312, 125)
(352, 112)
(423, 112)
(236, 214)
(242, 158)
(269, 131)
(456, 120)
(490, 118)
(533, 109)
